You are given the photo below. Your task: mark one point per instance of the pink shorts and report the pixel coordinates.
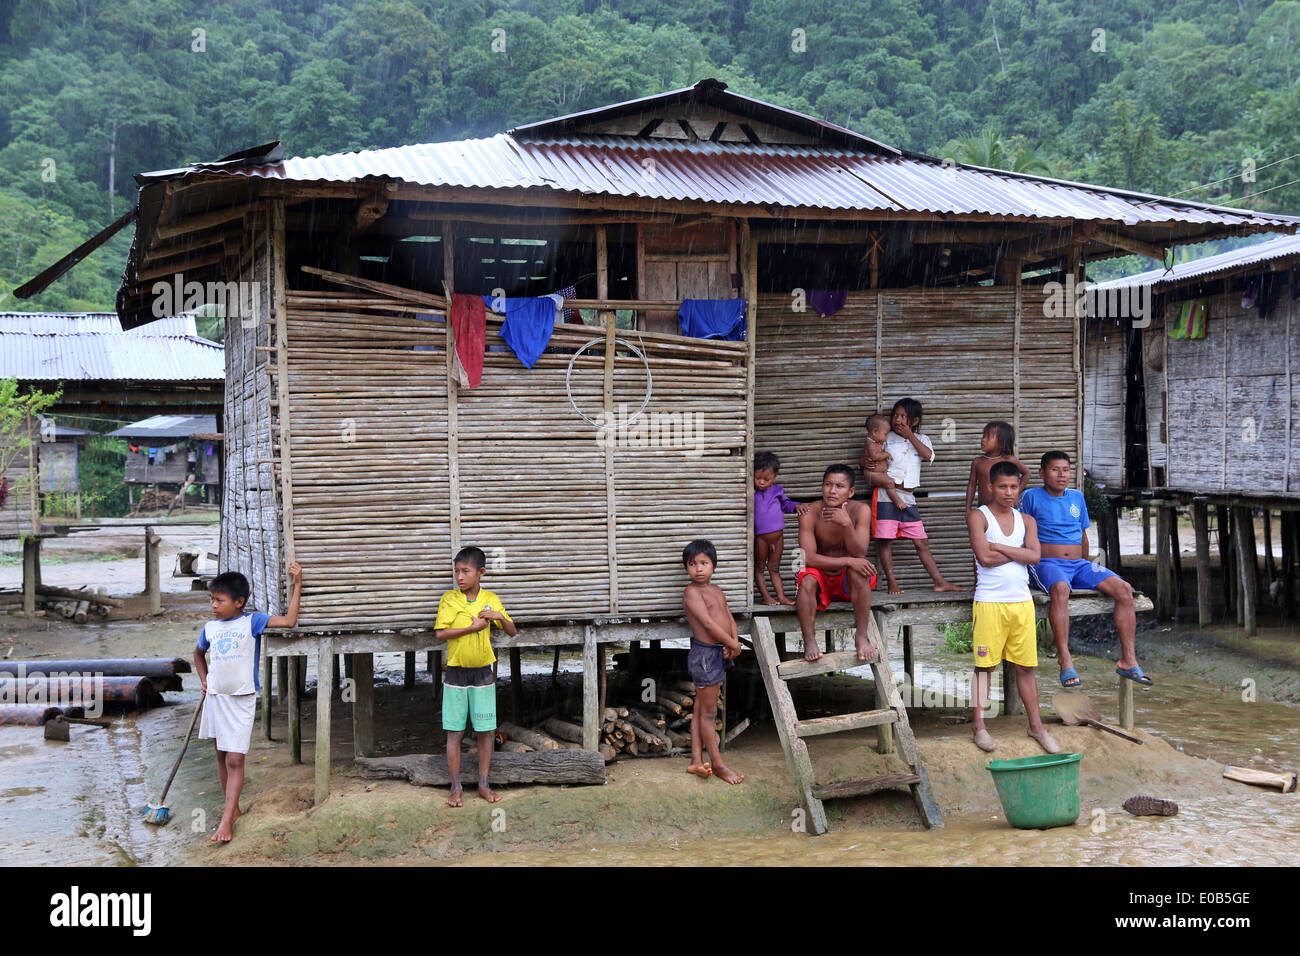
(894, 523)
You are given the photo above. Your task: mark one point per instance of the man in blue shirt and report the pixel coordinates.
(1062, 516)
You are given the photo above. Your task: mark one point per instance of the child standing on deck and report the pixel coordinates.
(469, 692)
(231, 683)
(770, 508)
(909, 448)
(997, 443)
(1005, 543)
(714, 646)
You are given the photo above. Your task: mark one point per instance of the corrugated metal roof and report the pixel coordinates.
(1242, 259)
(168, 426)
(782, 176)
(63, 323)
(37, 346)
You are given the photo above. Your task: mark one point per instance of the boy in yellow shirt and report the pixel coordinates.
(465, 618)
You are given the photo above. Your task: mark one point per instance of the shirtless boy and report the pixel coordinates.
(715, 644)
(997, 443)
(834, 540)
(875, 460)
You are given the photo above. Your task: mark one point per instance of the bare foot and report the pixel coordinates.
(946, 586)
(867, 652)
(785, 601)
(771, 601)
(894, 588)
(453, 799)
(1046, 741)
(723, 772)
(225, 831)
(700, 770)
(487, 793)
(811, 651)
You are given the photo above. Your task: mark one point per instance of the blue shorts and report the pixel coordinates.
(1076, 572)
(706, 664)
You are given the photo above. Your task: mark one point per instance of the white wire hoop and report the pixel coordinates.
(649, 384)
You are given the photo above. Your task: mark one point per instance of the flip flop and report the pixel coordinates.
(1070, 678)
(1135, 674)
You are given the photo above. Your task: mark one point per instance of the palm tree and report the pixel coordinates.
(988, 148)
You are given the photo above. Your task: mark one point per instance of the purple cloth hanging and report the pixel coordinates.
(827, 301)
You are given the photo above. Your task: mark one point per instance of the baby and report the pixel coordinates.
(875, 460)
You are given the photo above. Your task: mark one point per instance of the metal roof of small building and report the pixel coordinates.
(1244, 259)
(36, 346)
(793, 177)
(168, 426)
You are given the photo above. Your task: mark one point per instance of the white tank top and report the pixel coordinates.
(1006, 583)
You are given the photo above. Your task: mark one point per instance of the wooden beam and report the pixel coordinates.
(324, 701)
(180, 264)
(1248, 568)
(591, 716)
(749, 256)
(279, 280)
(31, 573)
(453, 386)
(295, 710)
(363, 706)
(608, 320)
(205, 220)
(1164, 563)
(1201, 529)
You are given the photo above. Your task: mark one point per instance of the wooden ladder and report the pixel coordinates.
(792, 730)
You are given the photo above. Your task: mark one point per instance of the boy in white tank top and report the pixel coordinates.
(1005, 543)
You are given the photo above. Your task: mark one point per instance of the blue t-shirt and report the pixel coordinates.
(257, 625)
(1060, 520)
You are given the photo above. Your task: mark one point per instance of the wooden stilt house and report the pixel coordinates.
(352, 446)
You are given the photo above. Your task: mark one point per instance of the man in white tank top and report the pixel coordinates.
(1005, 543)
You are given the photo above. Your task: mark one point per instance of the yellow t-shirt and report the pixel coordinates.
(455, 610)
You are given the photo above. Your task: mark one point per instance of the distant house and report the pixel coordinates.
(102, 371)
(172, 450)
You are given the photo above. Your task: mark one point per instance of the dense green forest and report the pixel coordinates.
(1177, 98)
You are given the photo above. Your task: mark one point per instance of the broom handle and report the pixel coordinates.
(177, 765)
(1118, 733)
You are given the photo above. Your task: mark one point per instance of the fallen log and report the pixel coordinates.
(550, 766)
(47, 590)
(562, 729)
(152, 667)
(82, 612)
(684, 701)
(608, 753)
(1286, 782)
(534, 739)
(515, 747)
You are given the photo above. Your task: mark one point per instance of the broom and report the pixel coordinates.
(159, 815)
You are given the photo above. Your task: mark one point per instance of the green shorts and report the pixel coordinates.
(475, 703)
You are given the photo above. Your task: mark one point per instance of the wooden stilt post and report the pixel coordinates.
(1201, 528)
(1270, 566)
(1126, 704)
(1288, 564)
(363, 706)
(282, 678)
(350, 666)
(516, 686)
(295, 710)
(302, 675)
(324, 701)
(591, 716)
(555, 674)
(152, 580)
(408, 673)
(1164, 564)
(1011, 702)
(1247, 562)
(31, 573)
(1175, 561)
(266, 678)
(428, 661)
(1227, 561)
(908, 660)
(1146, 529)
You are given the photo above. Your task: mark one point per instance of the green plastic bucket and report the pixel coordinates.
(1038, 792)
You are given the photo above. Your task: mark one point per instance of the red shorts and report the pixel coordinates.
(830, 587)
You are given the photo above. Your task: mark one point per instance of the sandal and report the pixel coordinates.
(1135, 674)
(1070, 678)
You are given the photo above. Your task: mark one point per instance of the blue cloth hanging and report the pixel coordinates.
(713, 319)
(528, 325)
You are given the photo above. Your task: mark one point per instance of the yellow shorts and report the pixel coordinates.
(1005, 631)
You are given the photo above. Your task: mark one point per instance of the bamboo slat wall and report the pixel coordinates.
(954, 351)
(251, 542)
(1104, 390)
(1232, 405)
(371, 495)
(19, 511)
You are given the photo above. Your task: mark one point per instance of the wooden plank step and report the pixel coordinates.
(842, 722)
(856, 788)
(826, 664)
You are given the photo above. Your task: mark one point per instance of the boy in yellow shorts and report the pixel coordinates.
(469, 693)
(1005, 543)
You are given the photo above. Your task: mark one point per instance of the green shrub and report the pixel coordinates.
(958, 638)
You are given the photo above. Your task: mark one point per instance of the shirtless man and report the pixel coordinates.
(834, 540)
(715, 644)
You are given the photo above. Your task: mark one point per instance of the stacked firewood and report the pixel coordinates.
(661, 726)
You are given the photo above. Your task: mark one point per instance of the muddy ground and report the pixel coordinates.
(78, 802)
